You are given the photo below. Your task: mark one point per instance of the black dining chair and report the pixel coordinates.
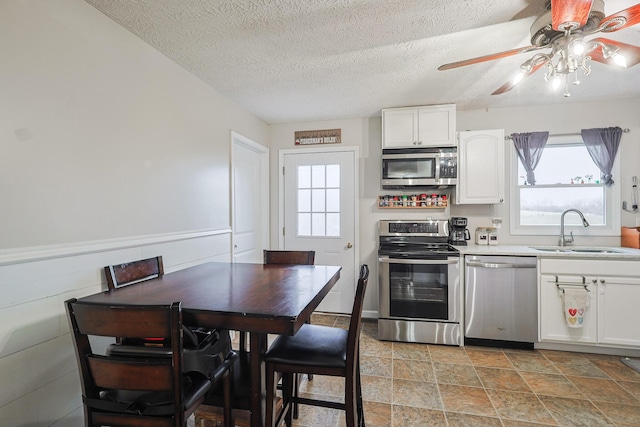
(320, 350)
(133, 391)
(203, 346)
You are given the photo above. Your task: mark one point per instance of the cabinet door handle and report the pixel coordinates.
(602, 281)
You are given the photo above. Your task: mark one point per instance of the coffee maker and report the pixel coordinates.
(458, 232)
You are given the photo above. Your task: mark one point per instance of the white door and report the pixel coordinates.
(320, 201)
(250, 206)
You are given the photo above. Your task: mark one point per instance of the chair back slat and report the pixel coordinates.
(125, 374)
(128, 273)
(289, 257)
(130, 321)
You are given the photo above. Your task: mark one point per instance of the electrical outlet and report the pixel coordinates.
(496, 222)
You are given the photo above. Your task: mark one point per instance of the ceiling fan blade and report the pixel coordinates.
(569, 14)
(630, 52)
(510, 84)
(491, 57)
(619, 20)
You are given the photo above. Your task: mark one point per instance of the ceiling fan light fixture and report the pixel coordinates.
(578, 47)
(518, 78)
(556, 82)
(620, 60)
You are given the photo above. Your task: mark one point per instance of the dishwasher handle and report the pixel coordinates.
(498, 265)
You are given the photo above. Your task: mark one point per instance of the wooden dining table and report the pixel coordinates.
(257, 298)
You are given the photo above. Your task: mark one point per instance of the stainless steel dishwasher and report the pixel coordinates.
(501, 301)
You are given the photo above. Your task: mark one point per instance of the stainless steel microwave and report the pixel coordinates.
(419, 167)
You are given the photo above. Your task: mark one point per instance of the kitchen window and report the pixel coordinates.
(566, 177)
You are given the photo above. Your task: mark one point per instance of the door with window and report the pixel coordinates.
(319, 213)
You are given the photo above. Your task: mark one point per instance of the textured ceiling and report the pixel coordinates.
(299, 60)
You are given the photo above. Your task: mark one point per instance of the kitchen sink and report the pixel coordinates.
(578, 249)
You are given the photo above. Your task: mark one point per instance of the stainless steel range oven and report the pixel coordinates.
(419, 294)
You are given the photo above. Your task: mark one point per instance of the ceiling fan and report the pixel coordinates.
(563, 29)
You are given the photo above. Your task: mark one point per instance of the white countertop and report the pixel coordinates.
(515, 250)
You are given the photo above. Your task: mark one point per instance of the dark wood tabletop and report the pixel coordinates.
(257, 298)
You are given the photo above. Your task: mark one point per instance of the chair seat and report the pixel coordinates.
(154, 403)
(313, 346)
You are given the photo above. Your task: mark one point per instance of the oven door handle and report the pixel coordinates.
(386, 259)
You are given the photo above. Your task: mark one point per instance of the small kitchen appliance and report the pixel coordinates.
(458, 232)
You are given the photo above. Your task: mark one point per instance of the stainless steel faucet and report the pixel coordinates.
(565, 240)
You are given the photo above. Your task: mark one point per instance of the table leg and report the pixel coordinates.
(258, 347)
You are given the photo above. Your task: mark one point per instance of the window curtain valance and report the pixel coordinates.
(602, 145)
(529, 147)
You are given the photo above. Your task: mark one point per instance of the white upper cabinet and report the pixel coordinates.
(416, 127)
(480, 167)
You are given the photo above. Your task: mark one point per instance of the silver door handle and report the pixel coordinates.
(497, 265)
(418, 261)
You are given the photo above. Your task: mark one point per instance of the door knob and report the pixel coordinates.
(349, 245)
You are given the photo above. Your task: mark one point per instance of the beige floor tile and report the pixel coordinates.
(376, 366)
(456, 419)
(323, 319)
(373, 347)
(411, 351)
(502, 379)
(617, 370)
(376, 389)
(456, 374)
(582, 367)
(449, 354)
(520, 406)
(574, 412)
(602, 390)
(532, 362)
(470, 400)
(408, 416)
(551, 385)
(416, 393)
(489, 359)
(621, 415)
(376, 415)
(632, 387)
(418, 370)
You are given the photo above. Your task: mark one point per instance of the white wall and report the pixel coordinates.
(109, 152)
(102, 136)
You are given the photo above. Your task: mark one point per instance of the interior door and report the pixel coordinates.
(320, 201)
(250, 214)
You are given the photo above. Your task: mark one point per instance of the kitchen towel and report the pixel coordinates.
(575, 302)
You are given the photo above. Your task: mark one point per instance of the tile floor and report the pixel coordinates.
(430, 385)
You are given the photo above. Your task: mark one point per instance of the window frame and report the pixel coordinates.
(611, 196)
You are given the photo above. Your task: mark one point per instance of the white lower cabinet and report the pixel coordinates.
(614, 295)
(618, 300)
(553, 326)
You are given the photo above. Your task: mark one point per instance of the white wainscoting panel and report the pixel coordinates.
(41, 386)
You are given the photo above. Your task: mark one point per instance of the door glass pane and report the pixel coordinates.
(317, 224)
(333, 200)
(333, 224)
(318, 202)
(304, 177)
(333, 176)
(304, 200)
(304, 224)
(317, 176)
